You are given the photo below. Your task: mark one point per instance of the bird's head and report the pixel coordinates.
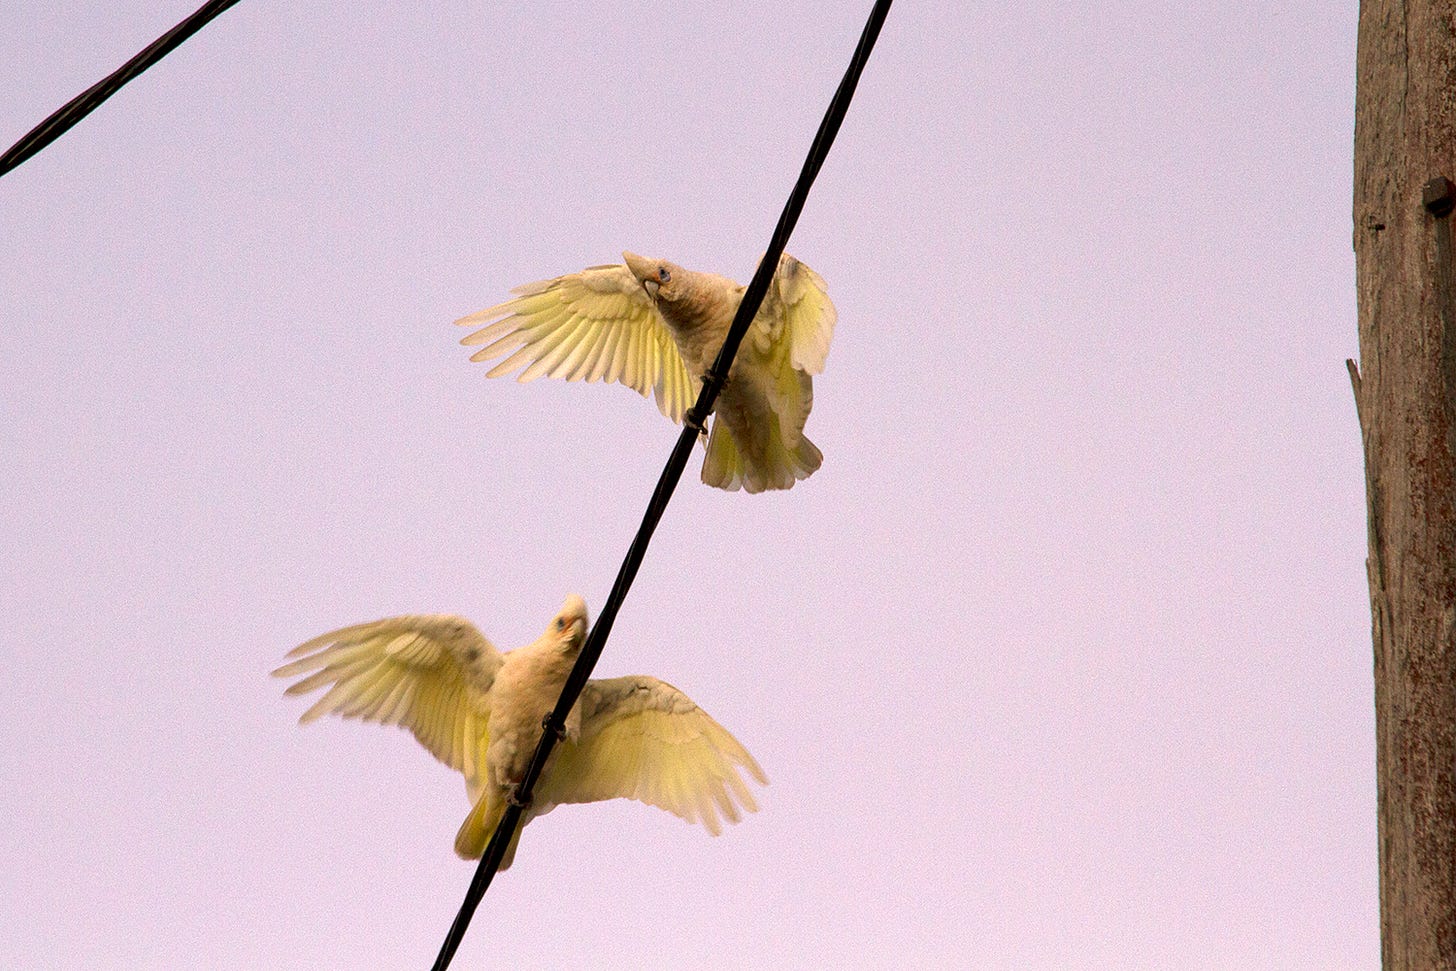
(662, 280)
(568, 627)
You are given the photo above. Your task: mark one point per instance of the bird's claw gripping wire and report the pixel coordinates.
(691, 419)
(699, 423)
(513, 798)
(551, 728)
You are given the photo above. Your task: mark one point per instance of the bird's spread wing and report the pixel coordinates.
(643, 739)
(596, 325)
(789, 341)
(430, 674)
(796, 317)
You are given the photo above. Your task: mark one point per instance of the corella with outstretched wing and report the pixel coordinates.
(480, 712)
(657, 328)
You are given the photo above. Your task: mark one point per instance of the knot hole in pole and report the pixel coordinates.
(1438, 196)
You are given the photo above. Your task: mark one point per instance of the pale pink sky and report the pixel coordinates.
(1062, 660)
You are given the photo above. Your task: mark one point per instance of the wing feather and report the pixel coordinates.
(430, 674)
(556, 346)
(643, 739)
(598, 324)
(619, 353)
(601, 358)
(797, 309)
(521, 356)
(575, 366)
(789, 340)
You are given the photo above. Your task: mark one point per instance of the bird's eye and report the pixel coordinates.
(663, 274)
(560, 623)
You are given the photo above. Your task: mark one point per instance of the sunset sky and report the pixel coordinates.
(1061, 661)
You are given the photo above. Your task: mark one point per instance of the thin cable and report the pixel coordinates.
(87, 101)
(555, 723)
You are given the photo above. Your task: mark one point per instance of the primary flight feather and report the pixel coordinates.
(657, 328)
(480, 712)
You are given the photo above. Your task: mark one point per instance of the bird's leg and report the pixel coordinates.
(699, 423)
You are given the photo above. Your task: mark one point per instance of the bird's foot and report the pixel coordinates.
(551, 728)
(513, 797)
(691, 419)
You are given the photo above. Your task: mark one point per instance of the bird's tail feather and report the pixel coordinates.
(479, 827)
(777, 466)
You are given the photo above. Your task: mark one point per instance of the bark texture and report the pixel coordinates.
(1405, 135)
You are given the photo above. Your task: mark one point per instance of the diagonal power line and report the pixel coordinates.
(87, 101)
(693, 425)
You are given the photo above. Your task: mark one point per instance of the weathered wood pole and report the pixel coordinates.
(1405, 392)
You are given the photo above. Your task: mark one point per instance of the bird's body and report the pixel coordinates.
(525, 690)
(481, 711)
(655, 326)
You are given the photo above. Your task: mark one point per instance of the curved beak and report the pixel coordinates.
(644, 270)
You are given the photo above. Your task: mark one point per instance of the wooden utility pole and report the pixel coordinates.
(1405, 392)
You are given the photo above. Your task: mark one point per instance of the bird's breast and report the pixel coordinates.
(699, 323)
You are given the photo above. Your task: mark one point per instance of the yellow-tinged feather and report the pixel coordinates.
(477, 828)
(425, 673)
(552, 349)
(643, 739)
(595, 325)
(521, 356)
(629, 358)
(601, 357)
(616, 369)
(575, 365)
(364, 696)
(487, 335)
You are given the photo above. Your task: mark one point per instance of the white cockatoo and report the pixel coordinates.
(481, 712)
(656, 327)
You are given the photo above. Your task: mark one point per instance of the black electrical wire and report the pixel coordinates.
(87, 101)
(555, 723)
